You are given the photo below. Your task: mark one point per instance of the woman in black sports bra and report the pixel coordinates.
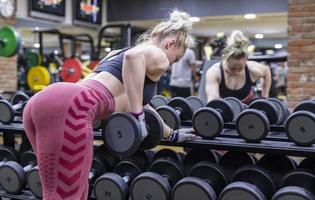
(235, 75)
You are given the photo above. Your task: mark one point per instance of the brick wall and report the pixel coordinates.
(8, 66)
(301, 49)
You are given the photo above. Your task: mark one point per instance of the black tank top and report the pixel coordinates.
(114, 67)
(242, 93)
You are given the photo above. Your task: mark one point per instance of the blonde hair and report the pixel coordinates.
(178, 24)
(236, 46)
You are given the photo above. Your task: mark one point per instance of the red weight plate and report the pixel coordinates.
(71, 70)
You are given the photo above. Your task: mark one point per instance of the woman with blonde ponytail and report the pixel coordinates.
(235, 75)
(58, 120)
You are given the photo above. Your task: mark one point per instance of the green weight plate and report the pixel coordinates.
(9, 41)
(31, 59)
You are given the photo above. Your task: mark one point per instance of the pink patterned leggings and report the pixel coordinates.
(58, 123)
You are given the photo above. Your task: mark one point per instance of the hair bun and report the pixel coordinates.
(238, 40)
(180, 19)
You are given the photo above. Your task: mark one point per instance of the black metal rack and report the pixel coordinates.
(276, 143)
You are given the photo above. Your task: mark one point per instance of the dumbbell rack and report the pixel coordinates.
(275, 143)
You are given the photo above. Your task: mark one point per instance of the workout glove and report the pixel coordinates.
(182, 135)
(141, 119)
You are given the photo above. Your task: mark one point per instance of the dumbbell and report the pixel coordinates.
(158, 100)
(14, 173)
(277, 166)
(298, 184)
(177, 109)
(168, 153)
(204, 182)
(300, 125)
(122, 134)
(101, 163)
(8, 110)
(157, 182)
(197, 155)
(251, 183)
(195, 102)
(97, 125)
(253, 124)
(115, 185)
(231, 161)
(208, 122)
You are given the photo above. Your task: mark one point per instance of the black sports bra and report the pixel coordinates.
(114, 67)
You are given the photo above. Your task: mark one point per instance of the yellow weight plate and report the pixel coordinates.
(38, 77)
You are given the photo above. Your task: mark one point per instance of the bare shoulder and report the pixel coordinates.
(256, 69)
(214, 71)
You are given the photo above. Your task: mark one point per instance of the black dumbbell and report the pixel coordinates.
(298, 185)
(253, 124)
(300, 125)
(237, 106)
(15, 173)
(115, 185)
(208, 122)
(177, 109)
(277, 166)
(195, 102)
(251, 183)
(158, 100)
(34, 183)
(157, 182)
(197, 155)
(101, 163)
(168, 153)
(8, 110)
(231, 161)
(97, 125)
(122, 134)
(204, 182)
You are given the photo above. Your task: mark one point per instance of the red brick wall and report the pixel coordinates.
(8, 66)
(301, 49)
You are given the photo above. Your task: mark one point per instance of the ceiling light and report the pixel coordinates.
(36, 45)
(259, 36)
(220, 34)
(250, 16)
(194, 19)
(278, 46)
(270, 52)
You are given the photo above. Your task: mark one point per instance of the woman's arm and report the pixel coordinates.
(257, 71)
(212, 84)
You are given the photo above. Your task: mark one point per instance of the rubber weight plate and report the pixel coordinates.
(150, 185)
(268, 108)
(308, 105)
(236, 104)
(207, 123)
(197, 155)
(169, 116)
(6, 112)
(281, 110)
(38, 77)
(71, 70)
(195, 103)
(121, 134)
(9, 41)
(158, 100)
(110, 186)
(93, 64)
(191, 188)
(293, 193)
(155, 130)
(300, 127)
(18, 97)
(12, 177)
(180, 103)
(252, 125)
(33, 182)
(224, 108)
